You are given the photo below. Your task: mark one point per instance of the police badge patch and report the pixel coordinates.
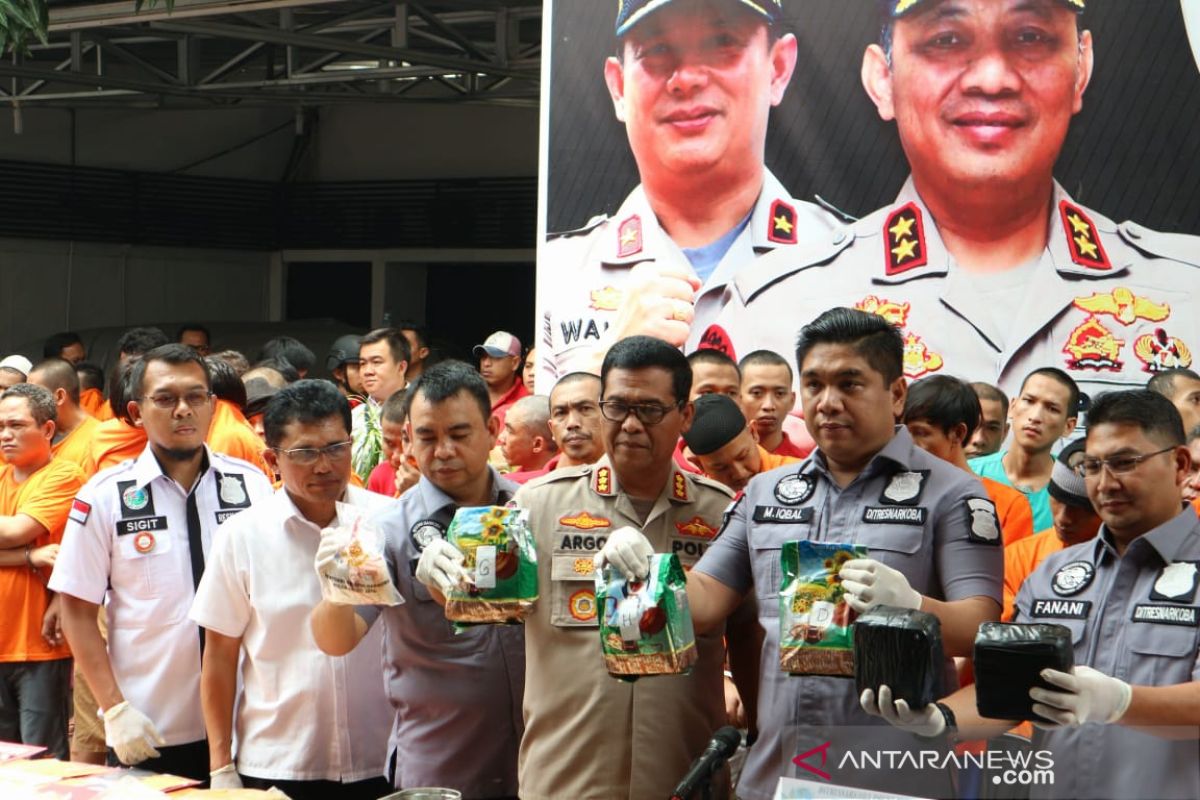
(792, 490)
(231, 491)
(985, 527)
(904, 489)
(424, 532)
(136, 501)
(1073, 578)
(1176, 582)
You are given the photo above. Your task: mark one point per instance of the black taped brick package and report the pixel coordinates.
(1009, 658)
(900, 647)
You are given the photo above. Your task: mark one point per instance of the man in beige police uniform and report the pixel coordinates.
(694, 84)
(984, 261)
(587, 735)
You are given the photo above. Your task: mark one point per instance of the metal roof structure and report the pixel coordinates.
(298, 53)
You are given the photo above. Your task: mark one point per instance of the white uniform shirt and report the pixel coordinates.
(302, 715)
(127, 541)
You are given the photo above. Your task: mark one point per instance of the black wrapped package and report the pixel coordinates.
(900, 647)
(1009, 658)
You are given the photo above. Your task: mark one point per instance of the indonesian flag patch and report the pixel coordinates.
(79, 511)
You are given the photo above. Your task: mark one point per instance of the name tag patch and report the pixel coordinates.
(1061, 609)
(581, 542)
(224, 515)
(125, 527)
(1167, 615)
(899, 515)
(783, 514)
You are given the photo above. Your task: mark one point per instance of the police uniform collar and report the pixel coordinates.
(907, 239)
(1084, 243)
(603, 481)
(146, 467)
(634, 234)
(348, 508)
(434, 498)
(896, 453)
(775, 219)
(1169, 538)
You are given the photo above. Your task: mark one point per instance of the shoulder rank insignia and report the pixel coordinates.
(679, 487)
(715, 338)
(629, 237)
(585, 521)
(918, 358)
(782, 223)
(895, 313)
(1093, 346)
(1083, 239)
(602, 481)
(1124, 306)
(1160, 351)
(696, 527)
(606, 299)
(904, 240)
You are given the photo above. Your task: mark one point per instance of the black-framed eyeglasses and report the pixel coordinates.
(168, 402)
(647, 413)
(307, 456)
(1117, 465)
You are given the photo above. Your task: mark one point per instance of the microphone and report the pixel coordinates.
(723, 744)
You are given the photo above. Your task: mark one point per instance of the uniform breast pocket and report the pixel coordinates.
(767, 575)
(893, 545)
(1160, 653)
(572, 590)
(148, 586)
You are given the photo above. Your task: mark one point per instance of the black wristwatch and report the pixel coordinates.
(951, 721)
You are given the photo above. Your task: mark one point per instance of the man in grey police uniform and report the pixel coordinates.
(932, 533)
(1129, 598)
(986, 263)
(694, 84)
(457, 695)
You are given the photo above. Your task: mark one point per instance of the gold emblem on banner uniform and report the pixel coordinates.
(606, 299)
(1160, 351)
(1093, 346)
(918, 358)
(629, 237)
(1083, 239)
(895, 313)
(904, 240)
(1124, 306)
(782, 223)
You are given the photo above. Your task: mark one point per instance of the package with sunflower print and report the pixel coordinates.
(501, 558)
(646, 626)
(816, 635)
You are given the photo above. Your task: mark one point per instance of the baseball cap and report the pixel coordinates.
(498, 345)
(1066, 485)
(20, 363)
(899, 8)
(631, 12)
(716, 422)
(344, 350)
(258, 395)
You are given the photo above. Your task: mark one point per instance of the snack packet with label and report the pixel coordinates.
(357, 572)
(646, 626)
(500, 555)
(815, 622)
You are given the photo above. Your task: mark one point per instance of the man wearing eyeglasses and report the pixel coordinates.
(586, 734)
(1124, 722)
(254, 601)
(138, 535)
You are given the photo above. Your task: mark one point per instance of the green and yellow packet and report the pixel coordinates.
(501, 557)
(646, 626)
(815, 623)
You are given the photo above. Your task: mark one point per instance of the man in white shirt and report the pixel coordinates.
(314, 725)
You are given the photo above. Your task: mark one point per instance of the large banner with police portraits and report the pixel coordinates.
(1013, 184)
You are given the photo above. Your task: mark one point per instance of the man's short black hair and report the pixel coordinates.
(192, 326)
(59, 374)
(226, 384)
(445, 380)
(40, 401)
(395, 408)
(706, 355)
(871, 336)
(90, 375)
(397, 344)
(120, 388)
(305, 401)
(1164, 382)
(139, 341)
(58, 342)
(985, 391)
(643, 352)
(945, 402)
(1058, 376)
(293, 351)
(282, 366)
(572, 378)
(1154, 414)
(765, 358)
(172, 353)
(420, 333)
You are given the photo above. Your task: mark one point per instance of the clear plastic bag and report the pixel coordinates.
(357, 573)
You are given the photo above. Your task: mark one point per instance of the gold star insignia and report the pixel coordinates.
(904, 249)
(1086, 247)
(903, 227)
(629, 237)
(1079, 225)
(783, 224)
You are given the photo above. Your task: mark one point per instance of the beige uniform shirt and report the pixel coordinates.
(1111, 304)
(582, 273)
(589, 736)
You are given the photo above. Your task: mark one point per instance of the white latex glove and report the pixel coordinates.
(225, 778)
(629, 551)
(1090, 696)
(928, 721)
(131, 734)
(440, 567)
(869, 583)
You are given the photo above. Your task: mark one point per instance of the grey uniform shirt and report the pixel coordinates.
(1133, 617)
(917, 514)
(457, 696)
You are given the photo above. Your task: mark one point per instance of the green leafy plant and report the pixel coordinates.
(23, 21)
